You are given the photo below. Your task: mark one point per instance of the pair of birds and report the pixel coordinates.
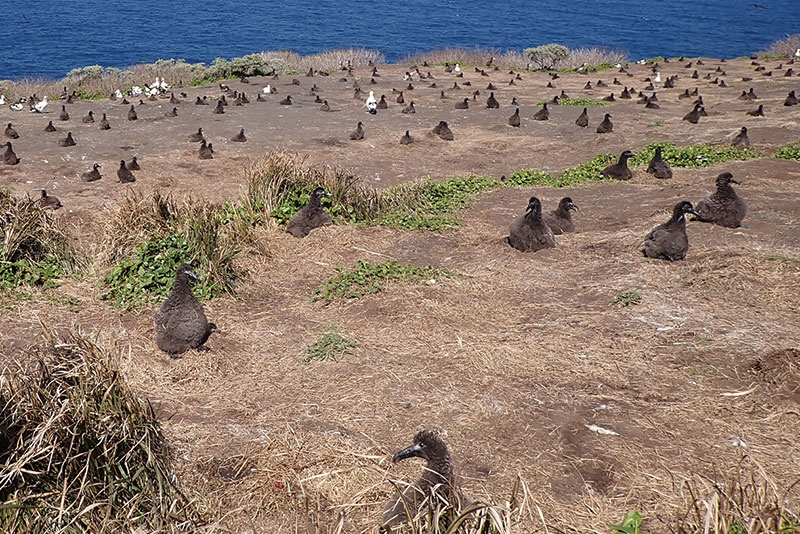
(535, 230)
(658, 167)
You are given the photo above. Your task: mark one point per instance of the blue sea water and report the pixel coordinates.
(50, 37)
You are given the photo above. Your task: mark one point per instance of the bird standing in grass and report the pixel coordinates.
(437, 477)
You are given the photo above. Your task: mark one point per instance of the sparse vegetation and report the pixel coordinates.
(781, 258)
(782, 48)
(150, 237)
(631, 523)
(584, 102)
(80, 451)
(657, 124)
(693, 156)
(631, 297)
(366, 278)
(329, 346)
(35, 249)
(587, 172)
(788, 152)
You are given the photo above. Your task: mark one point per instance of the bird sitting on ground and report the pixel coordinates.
(741, 140)
(124, 175)
(437, 478)
(669, 241)
(620, 169)
(206, 151)
(49, 202)
(371, 104)
(310, 216)
(180, 322)
(529, 233)
(92, 175)
(9, 156)
(38, 107)
(658, 167)
(443, 131)
(10, 132)
(724, 207)
(560, 219)
(358, 133)
(606, 126)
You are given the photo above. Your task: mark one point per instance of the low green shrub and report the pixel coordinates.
(587, 172)
(329, 346)
(693, 156)
(631, 297)
(547, 56)
(366, 278)
(44, 273)
(788, 152)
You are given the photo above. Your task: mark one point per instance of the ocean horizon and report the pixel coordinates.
(45, 39)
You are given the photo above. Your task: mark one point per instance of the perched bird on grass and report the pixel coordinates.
(310, 216)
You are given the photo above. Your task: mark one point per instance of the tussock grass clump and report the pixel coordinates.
(471, 57)
(782, 47)
(693, 156)
(35, 248)
(80, 451)
(788, 152)
(742, 501)
(365, 278)
(593, 59)
(149, 237)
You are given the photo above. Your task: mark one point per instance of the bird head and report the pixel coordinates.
(185, 270)
(726, 178)
(534, 206)
(682, 208)
(567, 204)
(427, 445)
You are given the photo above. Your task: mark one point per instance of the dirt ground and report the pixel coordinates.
(519, 362)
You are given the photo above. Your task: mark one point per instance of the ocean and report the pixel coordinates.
(48, 38)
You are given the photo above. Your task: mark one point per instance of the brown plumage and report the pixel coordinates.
(406, 139)
(658, 167)
(382, 104)
(240, 137)
(49, 202)
(50, 127)
(220, 108)
(758, 112)
(89, 118)
(133, 164)
(172, 113)
(206, 151)
(741, 139)
(67, 141)
(104, 125)
(63, 116)
(9, 156)
(409, 109)
(124, 175)
(92, 175)
(197, 136)
(543, 114)
(132, 116)
(358, 133)
(559, 220)
(583, 118)
(791, 99)
(668, 241)
(694, 115)
(10, 132)
(492, 102)
(724, 207)
(438, 474)
(606, 126)
(286, 101)
(443, 131)
(514, 119)
(309, 216)
(462, 104)
(529, 233)
(620, 169)
(180, 322)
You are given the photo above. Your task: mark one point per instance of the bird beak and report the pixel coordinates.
(734, 181)
(693, 212)
(192, 276)
(408, 452)
(573, 207)
(327, 194)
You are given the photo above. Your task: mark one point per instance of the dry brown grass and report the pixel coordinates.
(80, 451)
(783, 47)
(592, 57)
(468, 56)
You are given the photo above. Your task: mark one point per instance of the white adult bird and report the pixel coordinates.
(155, 85)
(118, 93)
(267, 90)
(617, 65)
(797, 53)
(39, 106)
(136, 90)
(658, 78)
(457, 68)
(407, 76)
(16, 107)
(164, 86)
(2, 100)
(372, 104)
(641, 62)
